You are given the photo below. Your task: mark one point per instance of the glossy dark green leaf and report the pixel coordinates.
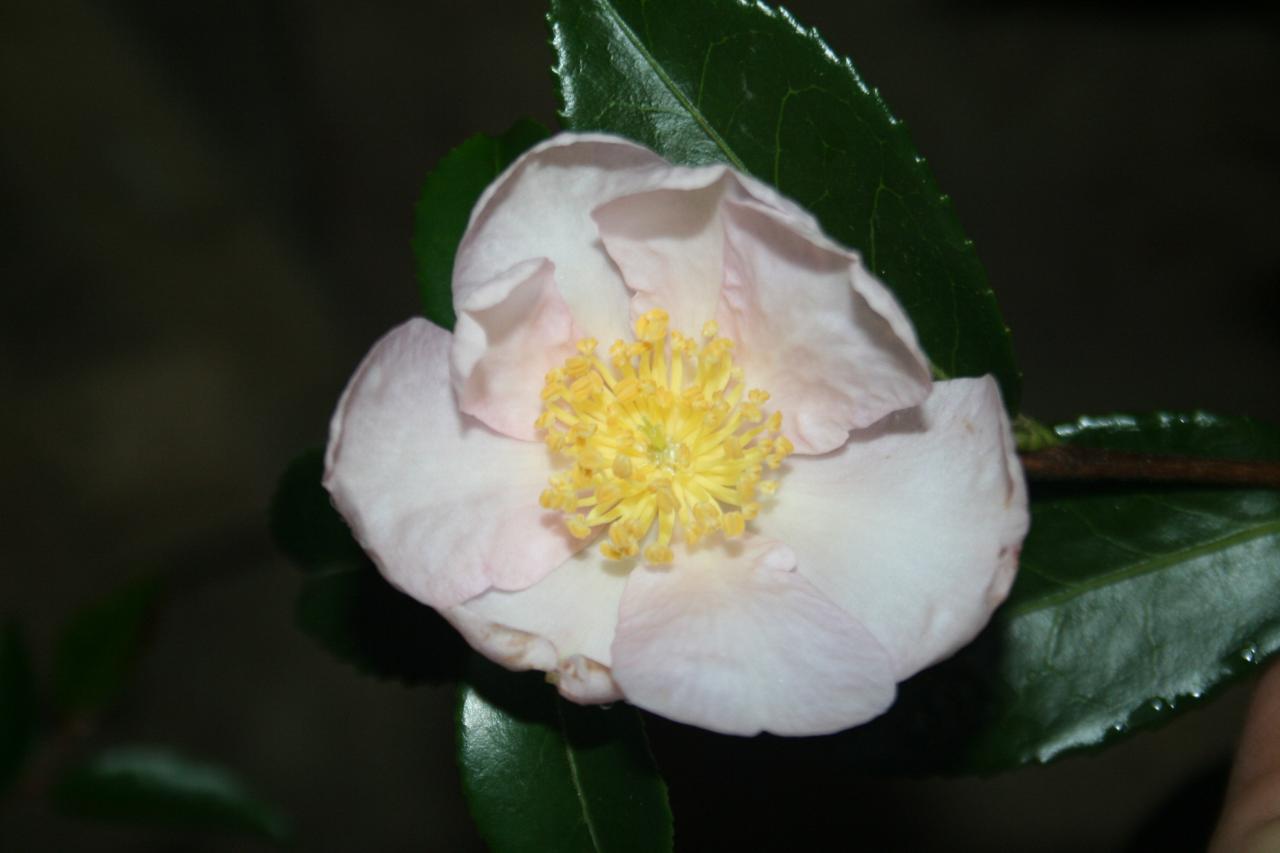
(728, 81)
(304, 523)
(345, 605)
(101, 644)
(1133, 604)
(445, 205)
(544, 774)
(17, 704)
(149, 785)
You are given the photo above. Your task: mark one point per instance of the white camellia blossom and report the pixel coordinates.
(681, 449)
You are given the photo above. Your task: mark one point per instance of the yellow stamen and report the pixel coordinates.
(663, 438)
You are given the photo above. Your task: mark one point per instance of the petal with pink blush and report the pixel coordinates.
(541, 208)
(445, 507)
(510, 332)
(669, 245)
(668, 241)
(573, 613)
(815, 329)
(733, 640)
(915, 525)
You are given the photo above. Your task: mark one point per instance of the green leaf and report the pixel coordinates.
(17, 704)
(541, 773)
(345, 604)
(101, 644)
(304, 523)
(445, 205)
(361, 619)
(1134, 603)
(728, 81)
(149, 785)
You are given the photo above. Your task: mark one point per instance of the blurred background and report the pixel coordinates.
(205, 223)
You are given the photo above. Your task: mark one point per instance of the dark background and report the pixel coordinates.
(205, 223)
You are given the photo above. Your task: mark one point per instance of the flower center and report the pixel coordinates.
(663, 432)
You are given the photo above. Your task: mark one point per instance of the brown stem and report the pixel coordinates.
(1066, 463)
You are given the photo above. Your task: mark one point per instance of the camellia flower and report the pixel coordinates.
(681, 449)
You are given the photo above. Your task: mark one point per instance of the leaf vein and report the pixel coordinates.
(1139, 568)
(661, 73)
(577, 779)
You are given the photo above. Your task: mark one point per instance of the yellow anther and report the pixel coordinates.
(577, 365)
(734, 524)
(652, 325)
(621, 466)
(627, 390)
(658, 555)
(585, 387)
(620, 534)
(662, 448)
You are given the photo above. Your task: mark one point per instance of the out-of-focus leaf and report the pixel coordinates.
(541, 773)
(360, 618)
(304, 523)
(149, 785)
(445, 205)
(740, 83)
(101, 644)
(17, 704)
(345, 604)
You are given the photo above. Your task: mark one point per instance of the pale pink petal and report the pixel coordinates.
(814, 329)
(510, 332)
(569, 616)
(668, 241)
(541, 208)
(732, 640)
(669, 245)
(915, 525)
(445, 507)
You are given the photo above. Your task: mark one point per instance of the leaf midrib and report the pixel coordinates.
(1144, 567)
(676, 92)
(576, 779)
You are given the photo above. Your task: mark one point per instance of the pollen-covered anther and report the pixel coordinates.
(665, 442)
